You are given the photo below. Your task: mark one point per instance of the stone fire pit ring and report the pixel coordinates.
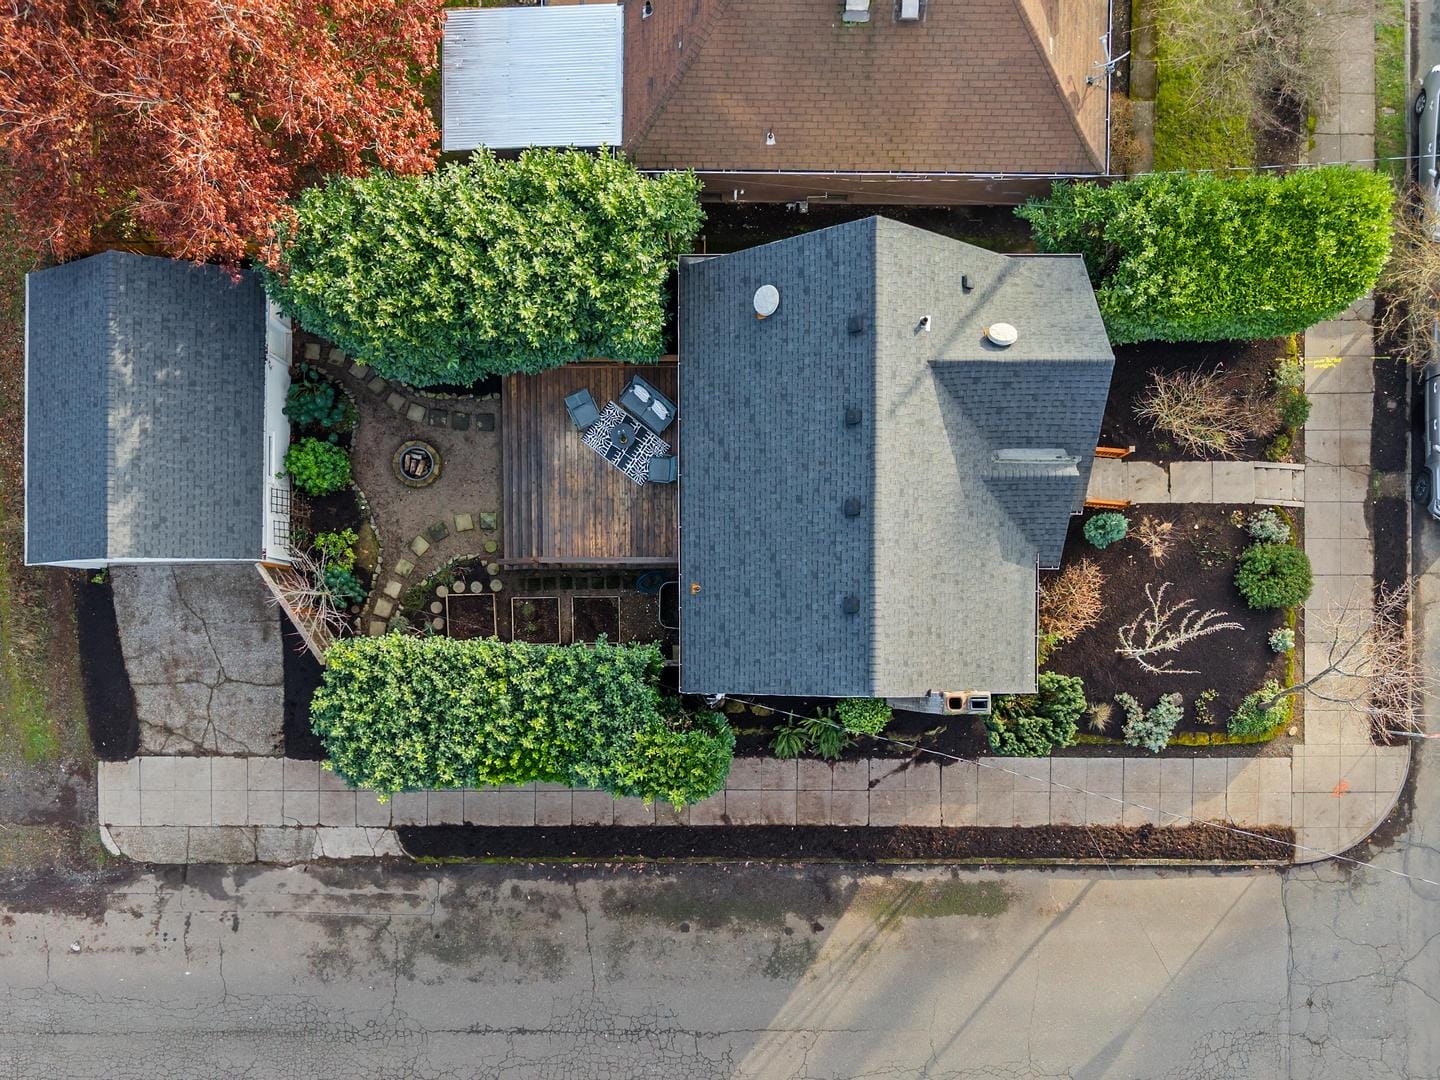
(416, 463)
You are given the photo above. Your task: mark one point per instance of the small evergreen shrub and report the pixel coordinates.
(864, 716)
(1273, 576)
(312, 401)
(1268, 527)
(1104, 529)
(1031, 725)
(337, 547)
(1251, 719)
(1294, 409)
(1129, 708)
(1278, 448)
(1282, 640)
(318, 468)
(343, 586)
(1152, 730)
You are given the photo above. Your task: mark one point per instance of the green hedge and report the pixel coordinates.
(399, 713)
(489, 267)
(1196, 257)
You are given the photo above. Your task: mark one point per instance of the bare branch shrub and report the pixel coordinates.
(1369, 661)
(1258, 413)
(1155, 536)
(1153, 632)
(1071, 604)
(301, 591)
(1410, 280)
(1196, 408)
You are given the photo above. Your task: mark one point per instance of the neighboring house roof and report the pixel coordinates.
(977, 86)
(534, 76)
(144, 383)
(956, 505)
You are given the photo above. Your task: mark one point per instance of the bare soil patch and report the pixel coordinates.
(535, 619)
(595, 616)
(109, 699)
(303, 674)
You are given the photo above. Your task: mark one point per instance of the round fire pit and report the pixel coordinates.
(416, 463)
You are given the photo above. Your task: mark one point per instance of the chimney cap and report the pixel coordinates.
(767, 301)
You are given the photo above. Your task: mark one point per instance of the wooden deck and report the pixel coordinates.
(564, 504)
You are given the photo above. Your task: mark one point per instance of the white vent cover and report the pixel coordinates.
(767, 301)
(1002, 334)
(909, 10)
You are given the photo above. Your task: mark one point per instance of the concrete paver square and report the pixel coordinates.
(518, 808)
(157, 807)
(849, 807)
(995, 778)
(120, 774)
(1146, 482)
(302, 808)
(157, 773)
(1209, 806)
(1316, 773)
(1321, 448)
(850, 776)
(1106, 775)
(1354, 483)
(1357, 768)
(121, 805)
(1141, 808)
(330, 780)
(1391, 764)
(1356, 556)
(229, 774)
(1352, 521)
(1321, 728)
(1211, 775)
(1324, 555)
(762, 774)
(923, 776)
(598, 808)
(812, 807)
(1242, 775)
(192, 774)
(1355, 448)
(1243, 807)
(1176, 806)
(887, 807)
(813, 775)
(337, 808)
(1141, 774)
(301, 775)
(229, 807)
(1067, 774)
(665, 814)
(1318, 811)
(1234, 481)
(1354, 731)
(631, 811)
(1359, 810)
(1031, 774)
(447, 808)
(551, 808)
(887, 774)
(760, 807)
(922, 808)
(371, 812)
(995, 809)
(1324, 416)
(1275, 808)
(1177, 774)
(192, 807)
(1103, 809)
(1322, 484)
(958, 807)
(410, 808)
(266, 807)
(1275, 774)
(1067, 807)
(1190, 482)
(958, 779)
(481, 807)
(1032, 808)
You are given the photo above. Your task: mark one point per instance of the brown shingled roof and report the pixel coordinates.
(980, 86)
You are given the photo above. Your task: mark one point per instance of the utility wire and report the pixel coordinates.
(982, 763)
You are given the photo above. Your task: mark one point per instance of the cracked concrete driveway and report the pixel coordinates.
(202, 647)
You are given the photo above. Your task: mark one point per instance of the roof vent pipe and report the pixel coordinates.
(850, 605)
(1002, 334)
(852, 507)
(767, 301)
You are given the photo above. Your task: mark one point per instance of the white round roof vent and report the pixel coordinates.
(1002, 334)
(767, 301)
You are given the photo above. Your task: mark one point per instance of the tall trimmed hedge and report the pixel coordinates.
(487, 267)
(1196, 257)
(399, 713)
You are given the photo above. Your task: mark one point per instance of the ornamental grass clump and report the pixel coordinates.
(401, 713)
(1273, 576)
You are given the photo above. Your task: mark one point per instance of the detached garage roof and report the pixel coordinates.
(144, 412)
(532, 76)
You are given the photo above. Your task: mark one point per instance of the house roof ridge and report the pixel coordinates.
(686, 62)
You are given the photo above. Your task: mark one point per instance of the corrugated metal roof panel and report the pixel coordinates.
(532, 76)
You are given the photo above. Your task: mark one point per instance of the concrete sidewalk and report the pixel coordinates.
(236, 809)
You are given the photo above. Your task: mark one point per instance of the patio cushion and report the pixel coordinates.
(581, 407)
(662, 469)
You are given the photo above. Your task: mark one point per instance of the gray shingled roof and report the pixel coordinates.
(144, 399)
(954, 515)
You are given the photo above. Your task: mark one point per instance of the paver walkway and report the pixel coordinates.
(1271, 483)
(228, 809)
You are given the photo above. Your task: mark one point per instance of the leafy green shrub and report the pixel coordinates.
(827, 738)
(312, 401)
(337, 547)
(1198, 257)
(1268, 527)
(864, 716)
(343, 586)
(1294, 409)
(1278, 448)
(1273, 576)
(400, 713)
(1153, 729)
(1104, 529)
(791, 740)
(316, 467)
(1252, 719)
(1282, 640)
(1031, 725)
(487, 267)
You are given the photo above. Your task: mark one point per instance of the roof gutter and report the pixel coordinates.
(917, 177)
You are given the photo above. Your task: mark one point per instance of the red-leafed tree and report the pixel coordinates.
(187, 123)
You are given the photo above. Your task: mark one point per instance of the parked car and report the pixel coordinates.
(1427, 494)
(1427, 126)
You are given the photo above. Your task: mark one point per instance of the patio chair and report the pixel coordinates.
(662, 469)
(581, 407)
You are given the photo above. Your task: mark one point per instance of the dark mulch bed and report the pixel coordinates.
(328, 513)
(490, 384)
(1391, 423)
(535, 619)
(470, 615)
(109, 698)
(736, 226)
(961, 736)
(1280, 141)
(1201, 565)
(839, 843)
(302, 673)
(596, 615)
(1390, 526)
(1247, 364)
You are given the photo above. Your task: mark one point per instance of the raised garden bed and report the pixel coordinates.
(594, 616)
(1200, 566)
(470, 615)
(845, 844)
(535, 619)
(1247, 365)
